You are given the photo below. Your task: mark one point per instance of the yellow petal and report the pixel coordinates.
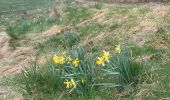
(75, 63)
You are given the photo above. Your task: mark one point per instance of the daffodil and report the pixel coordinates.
(75, 62)
(62, 60)
(73, 83)
(70, 84)
(67, 83)
(117, 49)
(106, 55)
(59, 59)
(101, 60)
(56, 59)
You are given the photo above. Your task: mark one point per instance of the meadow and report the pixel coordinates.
(89, 51)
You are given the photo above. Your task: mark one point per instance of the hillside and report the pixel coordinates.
(30, 39)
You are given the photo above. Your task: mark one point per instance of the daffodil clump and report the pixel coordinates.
(76, 71)
(65, 59)
(81, 72)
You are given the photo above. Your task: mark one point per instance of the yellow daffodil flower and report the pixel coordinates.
(59, 60)
(73, 83)
(75, 62)
(56, 59)
(106, 55)
(117, 49)
(99, 61)
(62, 60)
(103, 58)
(67, 83)
(70, 84)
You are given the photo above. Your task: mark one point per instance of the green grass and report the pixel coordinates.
(144, 50)
(24, 26)
(20, 28)
(93, 29)
(8, 6)
(17, 24)
(64, 40)
(75, 15)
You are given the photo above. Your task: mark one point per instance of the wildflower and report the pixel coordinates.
(75, 63)
(62, 60)
(117, 49)
(103, 58)
(73, 83)
(106, 55)
(100, 61)
(59, 60)
(67, 83)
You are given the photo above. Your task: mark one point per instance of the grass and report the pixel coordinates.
(14, 17)
(24, 26)
(64, 40)
(75, 15)
(92, 29)
(17, 30)
(8, 6)
(123, 19)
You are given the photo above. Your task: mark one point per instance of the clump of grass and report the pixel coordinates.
(144, 10)
(94, 28)
(146, 49)
(97, 5)
(42, 24)
(15, 31)
(114, 26)
(23, 26)
(162, 34)
(66, 40)
(75, 14)
(123, 10)
(42, 80)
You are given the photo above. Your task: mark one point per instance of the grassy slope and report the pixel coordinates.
(7, 6)
(144, 28)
